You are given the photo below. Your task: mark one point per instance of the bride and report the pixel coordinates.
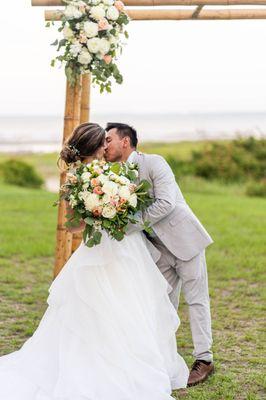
(108, 332)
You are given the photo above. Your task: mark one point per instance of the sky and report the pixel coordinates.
(168, 67)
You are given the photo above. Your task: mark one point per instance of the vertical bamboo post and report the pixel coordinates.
(85, 98)
(84, 117)
(71, 120)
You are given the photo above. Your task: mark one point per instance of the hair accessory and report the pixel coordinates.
(73, 148)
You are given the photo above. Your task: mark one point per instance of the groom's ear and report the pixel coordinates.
(126, 142)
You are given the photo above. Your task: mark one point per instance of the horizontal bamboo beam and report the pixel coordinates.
(166, 2)
(139, 15)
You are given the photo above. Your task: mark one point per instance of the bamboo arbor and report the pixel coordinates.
(77, 104)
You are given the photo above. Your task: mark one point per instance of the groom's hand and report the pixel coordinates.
(138, 226)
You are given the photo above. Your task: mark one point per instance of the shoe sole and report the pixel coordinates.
(203, 380)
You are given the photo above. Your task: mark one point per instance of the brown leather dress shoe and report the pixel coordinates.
(200, 372)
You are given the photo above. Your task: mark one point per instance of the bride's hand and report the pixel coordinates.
(78, 228)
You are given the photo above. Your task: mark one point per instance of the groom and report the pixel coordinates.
(177, 242)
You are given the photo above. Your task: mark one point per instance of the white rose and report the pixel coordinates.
(103, 178)
(97, 12)
(90, 29)
(104, 46)
(72, 12)
(86, 176)
(93, 44)
(109, 211)
(75, 49)
(108, 2)
(95, 2)
(113, 176)
(112, 13)
(133, 200)
(110, 188)
(84, 57)
(82, 194)
(106, 199)
(123, 180)
(124, 192)
(67, 32)
(91, 200)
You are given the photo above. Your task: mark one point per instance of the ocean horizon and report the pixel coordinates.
(44, 133)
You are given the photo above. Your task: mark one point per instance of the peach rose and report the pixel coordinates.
(107, 58)
(122, 201)
(95, 182)
(119, 5)
(97, 211)
(103, 24)
(83, 38)
(98, 190)
(71, 178)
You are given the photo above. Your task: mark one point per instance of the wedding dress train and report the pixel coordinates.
(108, 332)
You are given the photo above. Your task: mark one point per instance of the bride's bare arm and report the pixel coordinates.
(78, 228)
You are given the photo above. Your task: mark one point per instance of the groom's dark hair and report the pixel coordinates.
(124, 130)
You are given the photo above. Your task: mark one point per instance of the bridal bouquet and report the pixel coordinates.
(92, 32)
(106, 197)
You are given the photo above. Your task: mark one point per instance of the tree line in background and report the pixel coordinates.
(242, 161)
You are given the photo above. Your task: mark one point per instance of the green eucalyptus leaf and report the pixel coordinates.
(97, 236)
(89, 221)
(115, 168)
(55, 43)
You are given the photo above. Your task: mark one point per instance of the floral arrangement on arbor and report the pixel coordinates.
(92, 40)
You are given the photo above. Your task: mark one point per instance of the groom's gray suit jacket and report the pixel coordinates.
(170, 217)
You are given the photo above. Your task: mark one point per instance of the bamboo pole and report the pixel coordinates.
(84, 117)
(152, 3)
(85, 98)
(141, 15)
(71, 120)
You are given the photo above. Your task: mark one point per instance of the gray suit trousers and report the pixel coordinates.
(190, 276)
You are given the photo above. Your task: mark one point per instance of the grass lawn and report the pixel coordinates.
(236, 265)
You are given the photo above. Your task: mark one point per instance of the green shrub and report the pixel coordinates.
(20, 173)
(180, 167)
(257, 189)
(238, 160)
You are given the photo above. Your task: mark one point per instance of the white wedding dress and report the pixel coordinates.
(108, 332)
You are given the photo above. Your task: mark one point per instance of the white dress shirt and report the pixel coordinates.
(131, 156)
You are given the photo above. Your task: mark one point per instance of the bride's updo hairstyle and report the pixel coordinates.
(84, 142)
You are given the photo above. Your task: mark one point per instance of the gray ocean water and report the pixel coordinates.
(44, 133)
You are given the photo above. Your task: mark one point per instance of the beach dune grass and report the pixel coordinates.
(236, 265)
